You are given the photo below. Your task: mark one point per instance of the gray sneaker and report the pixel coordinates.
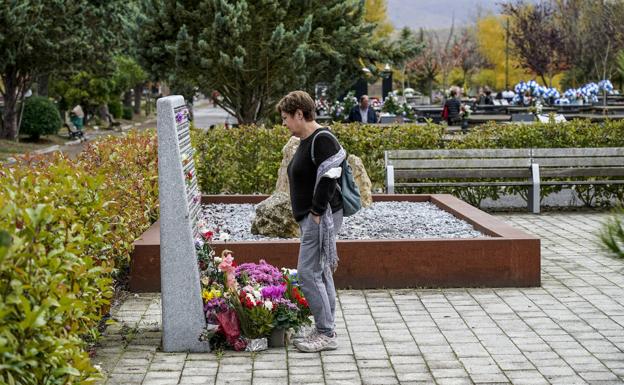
(303, 333)
(317, 342)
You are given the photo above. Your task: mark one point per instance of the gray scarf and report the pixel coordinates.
(330, 168)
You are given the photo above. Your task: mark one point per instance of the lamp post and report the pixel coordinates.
(386, 82)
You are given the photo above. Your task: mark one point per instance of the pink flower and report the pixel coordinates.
(229, 270)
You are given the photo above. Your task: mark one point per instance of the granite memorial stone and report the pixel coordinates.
(183, 318)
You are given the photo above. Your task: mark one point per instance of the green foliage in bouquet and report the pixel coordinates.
(285, 318)
(255, 322)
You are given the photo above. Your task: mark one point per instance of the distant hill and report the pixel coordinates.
(437, 14)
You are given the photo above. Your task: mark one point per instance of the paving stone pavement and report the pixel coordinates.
(568, 331)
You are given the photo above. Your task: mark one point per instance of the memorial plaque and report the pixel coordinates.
(183, 318)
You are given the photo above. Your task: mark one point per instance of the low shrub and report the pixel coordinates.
(612, 235)
(40, 117)
(115, 109)
(54, 283)
(65, 228)
(127, 113)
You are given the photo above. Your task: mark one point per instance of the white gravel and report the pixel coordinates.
(383, 220)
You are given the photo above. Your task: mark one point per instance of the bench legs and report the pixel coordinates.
(390, 179)
(534, 190)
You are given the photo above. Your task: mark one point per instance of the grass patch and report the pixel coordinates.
(9, 148)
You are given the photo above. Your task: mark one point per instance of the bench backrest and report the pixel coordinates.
(468, 163)
(578, 162)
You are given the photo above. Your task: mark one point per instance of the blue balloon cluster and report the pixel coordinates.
(605, 85)
(588, 92)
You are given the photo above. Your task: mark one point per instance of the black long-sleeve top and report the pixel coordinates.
(302, 177)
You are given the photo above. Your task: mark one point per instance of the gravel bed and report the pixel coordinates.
(383, 220)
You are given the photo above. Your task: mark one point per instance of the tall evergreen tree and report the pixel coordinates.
(254, 52)
(43, 37)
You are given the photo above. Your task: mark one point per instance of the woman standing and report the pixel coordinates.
(317, 207)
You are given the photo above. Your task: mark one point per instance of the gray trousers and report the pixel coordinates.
(317, 282)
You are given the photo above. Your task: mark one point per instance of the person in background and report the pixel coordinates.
(451, 109)
(486, 98)
(77, 117)
(363, 112)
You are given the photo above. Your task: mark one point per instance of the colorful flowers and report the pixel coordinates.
(226, 266)
(208, 295)
(261, 273)
(247, 301)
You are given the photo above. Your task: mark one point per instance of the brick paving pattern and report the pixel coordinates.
(569, 331)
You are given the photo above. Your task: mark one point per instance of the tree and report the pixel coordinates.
(593, 34)
(491, 43)
(620, 67)
(255, 52)
(469, 59)
(128, 74)
(377, 13)
(445, 54)
(43, 37)
(405, 47)
(537, 39)
(426, 66)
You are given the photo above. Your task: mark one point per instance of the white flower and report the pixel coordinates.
(257, 294)
(224, 237)
(268, 305)
(251, 298)
(218, 260)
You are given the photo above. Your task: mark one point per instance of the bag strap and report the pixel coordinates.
(313, 139)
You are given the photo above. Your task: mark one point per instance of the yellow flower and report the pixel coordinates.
(213, 293)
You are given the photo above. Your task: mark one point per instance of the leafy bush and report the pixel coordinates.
(40, 117)
(129, 168)
(115, 109)
(65, 227)
(612, 235)
(246, 159)
(128, 113)
(53, 282)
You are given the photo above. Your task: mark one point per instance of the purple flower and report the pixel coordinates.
(214, 306)
(262, 273)
(273, 292)
(287, 303)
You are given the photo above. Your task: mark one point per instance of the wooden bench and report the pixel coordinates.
(508, 166)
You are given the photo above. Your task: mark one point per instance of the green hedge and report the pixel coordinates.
(65, 227)
(246, 160)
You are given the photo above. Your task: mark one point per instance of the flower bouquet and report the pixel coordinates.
(246, 304)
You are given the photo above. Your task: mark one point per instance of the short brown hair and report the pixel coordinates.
(298, 100)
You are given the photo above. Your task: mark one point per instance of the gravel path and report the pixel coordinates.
(383, 220)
